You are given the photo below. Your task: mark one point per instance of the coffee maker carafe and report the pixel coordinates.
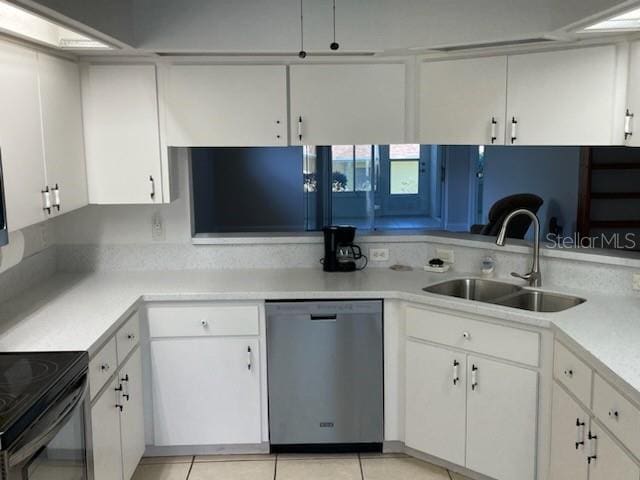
(340, 253)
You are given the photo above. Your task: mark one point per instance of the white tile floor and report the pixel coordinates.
(291, 467)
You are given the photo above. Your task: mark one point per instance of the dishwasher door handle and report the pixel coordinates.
(324, 318)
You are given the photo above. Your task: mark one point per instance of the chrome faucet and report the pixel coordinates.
(534, 277)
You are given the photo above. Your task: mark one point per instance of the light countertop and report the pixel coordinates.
(80, 311)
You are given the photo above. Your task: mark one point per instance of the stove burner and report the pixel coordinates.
(27, 372)
(8, 402)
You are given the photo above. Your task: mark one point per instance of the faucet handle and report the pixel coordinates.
(526, 276)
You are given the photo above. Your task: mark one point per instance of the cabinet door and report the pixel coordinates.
(569, 427)
(21, 136)
(222, 105)
(501, 419)
(105, 427)
(562, 98)
(463, 101)
(61, 101)
(347, 104)
(435, 401)
(132, 416)
(611, 461)
(122, 134)
(633, 95)
(206, 391)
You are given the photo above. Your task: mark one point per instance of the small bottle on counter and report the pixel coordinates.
(488, 266)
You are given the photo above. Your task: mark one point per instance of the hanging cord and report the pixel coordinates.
(302, 53)
(334, 45)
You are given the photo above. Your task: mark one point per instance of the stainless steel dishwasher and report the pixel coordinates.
(325, 375)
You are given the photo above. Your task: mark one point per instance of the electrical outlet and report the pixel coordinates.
(445, 254)
(157, 228)
(635, 282)
(379, 254)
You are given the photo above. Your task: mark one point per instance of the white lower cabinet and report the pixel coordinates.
(132, 415)
(224, 409)
(105, 427)
(469, 410)
(502, 404)
(117, 424)
(581, 449)
(436, 398)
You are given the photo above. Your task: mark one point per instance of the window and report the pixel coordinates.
(404, 165)
(352, 168)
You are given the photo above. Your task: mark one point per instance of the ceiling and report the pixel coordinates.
(272, 27)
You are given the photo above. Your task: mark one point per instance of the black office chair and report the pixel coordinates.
(518, 226)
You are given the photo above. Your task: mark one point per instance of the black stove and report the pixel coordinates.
(29, 384)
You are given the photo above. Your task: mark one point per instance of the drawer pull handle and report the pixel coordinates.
(569, 373)
(614, 414)
(249, 358)
(474, 377)
(580, 434)
(105, 367)
(131, 336)
(456, 374)
(204, 323)
(593, 453)
(466, 335)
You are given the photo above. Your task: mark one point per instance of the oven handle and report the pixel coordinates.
(35, 440)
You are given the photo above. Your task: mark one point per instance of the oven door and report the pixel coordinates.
(55, 447)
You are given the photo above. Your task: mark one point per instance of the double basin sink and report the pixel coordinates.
(504, 294)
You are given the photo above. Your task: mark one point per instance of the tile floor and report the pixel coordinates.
(291, 467)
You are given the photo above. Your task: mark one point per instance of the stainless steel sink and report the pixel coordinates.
(473, 289)
(504, 294)
(536, 301)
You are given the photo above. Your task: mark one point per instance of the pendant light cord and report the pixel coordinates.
(334, 21)
(301, 27)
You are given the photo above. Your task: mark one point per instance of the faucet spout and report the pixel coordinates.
(534, 276)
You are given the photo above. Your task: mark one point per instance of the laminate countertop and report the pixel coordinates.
(80, 311)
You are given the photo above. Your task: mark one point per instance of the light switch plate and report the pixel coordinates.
(635, 282)
(379, 254)
(446, 255)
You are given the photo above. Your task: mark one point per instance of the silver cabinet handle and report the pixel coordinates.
(466, 335)
(474, 377)
(46, 200)
(300, 128)
(614, 414)
(153, 187)
(593, 450)
(494, 130)
(579, 433)
(131, 336)
(568, 373)
(105, 367)
(249, 358)
(456, 372)
(204, 323)
(514, 129)
(56, 197)
(125, 383)
(628, 127)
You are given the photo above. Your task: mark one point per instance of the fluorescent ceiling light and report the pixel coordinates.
(26, 25)
(626, 21)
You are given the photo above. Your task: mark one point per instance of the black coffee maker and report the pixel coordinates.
(340, 253)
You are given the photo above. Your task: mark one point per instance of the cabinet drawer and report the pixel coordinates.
(128, 337)
(617, 414)
(573, 373)
(204, 321)
(472, 335)
(102, 366)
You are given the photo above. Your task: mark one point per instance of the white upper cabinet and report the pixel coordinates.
(463, 101)
(122, 134)
(21, 136)
(562, 97)
(61, 101)
(347, 104)
(226, 105)
(632, 120)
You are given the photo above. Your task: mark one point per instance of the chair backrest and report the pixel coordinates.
(518, 226)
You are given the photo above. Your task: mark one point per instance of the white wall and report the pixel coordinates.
(362, 25)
